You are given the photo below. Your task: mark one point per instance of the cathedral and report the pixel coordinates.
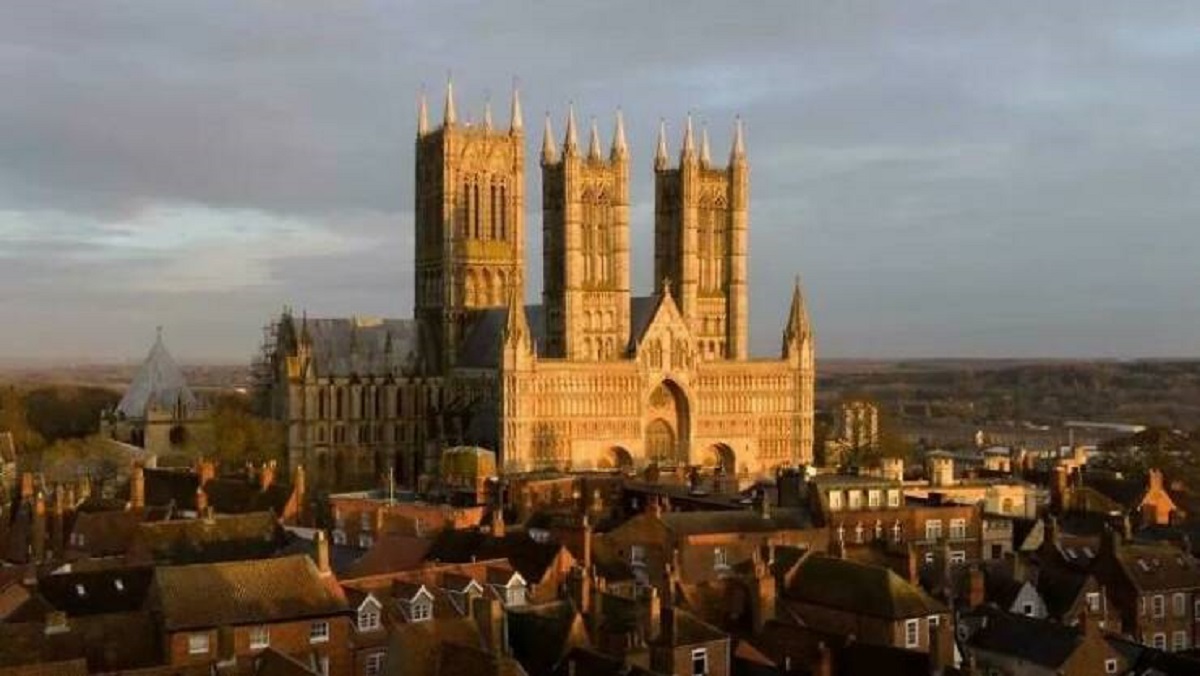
(592, 377)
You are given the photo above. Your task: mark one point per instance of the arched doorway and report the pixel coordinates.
(616, 458)
(666, 433)
(720, 457)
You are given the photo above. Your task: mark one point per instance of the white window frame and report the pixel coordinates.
(874, 498)
(1159, 641)
(958, 529)
(369, 617)
(374, 664)
(1093, 601)
(420, 610)
(1179, 604)
(1158, 606)
(912, 633)
(637, 555)
(1179, 641)
(835, 500)
(720, 558)
(1110, 666)
(198, 643)
(854, 499)
(893, 498)
(700, 655)
(933, 529)
(260, 637)
(318, 632)
(958, 556)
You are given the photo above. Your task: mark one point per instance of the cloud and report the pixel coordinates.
(965, 178)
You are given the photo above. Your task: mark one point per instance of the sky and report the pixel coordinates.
(950, 179)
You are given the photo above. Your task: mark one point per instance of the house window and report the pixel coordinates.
(368, 617)
(700, 662)
(912, 633)
(421, 611)
(1179, 641)
(637, 555)
(929, 558)
(260, 637)
(374, 666)
(1160, 641)
(933, 529)
(720, 558)
(1158, 605)
(1093, 601)
(339, 536)
(835, 500)
(197, 644)
(874, 498)
(318, 632)
(958, 556)
(365, 541)
(1179, 602)
(893, 498)
(958, 529)
(1027, 609)
(1110, 666)
(516, 595)
(855, 499)
(1141, 605)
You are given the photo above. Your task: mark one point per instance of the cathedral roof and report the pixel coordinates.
(641, 313)
(159, 383)
(344, 346)
(481, 348)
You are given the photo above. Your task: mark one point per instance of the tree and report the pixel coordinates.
(239, 436)
(14, 418)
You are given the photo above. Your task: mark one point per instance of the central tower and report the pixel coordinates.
(470, 221)
(700, 240)
(585, 242)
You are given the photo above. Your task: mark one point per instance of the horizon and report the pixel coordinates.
(952, 183)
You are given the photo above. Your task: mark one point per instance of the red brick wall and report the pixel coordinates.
(287, 637)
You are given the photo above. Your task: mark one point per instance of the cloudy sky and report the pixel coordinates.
(949, 178)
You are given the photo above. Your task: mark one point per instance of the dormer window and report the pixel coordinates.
(637, 555)
(835, 500)
(369, 615)
(515, 595)
(421, 610)
(720, 558)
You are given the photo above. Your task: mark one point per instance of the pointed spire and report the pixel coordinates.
(549, 150)
(705, 155)
(449, 113)
(515, 122)
(422, 114)
(660, 151)
(738, 152)
(798, 328)
(487, 113)
(689, 145)
(594, 142)
(516, 325)
(619, 148)
(571, 140)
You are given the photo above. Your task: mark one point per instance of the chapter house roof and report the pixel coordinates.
(159, 383)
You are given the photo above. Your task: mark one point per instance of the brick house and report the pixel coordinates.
(1016, 645)
(218, 612)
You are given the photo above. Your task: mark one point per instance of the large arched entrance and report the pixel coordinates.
(667, 433)
(616, 458)
(720, 457)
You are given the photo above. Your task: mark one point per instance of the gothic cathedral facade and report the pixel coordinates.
(592, 377)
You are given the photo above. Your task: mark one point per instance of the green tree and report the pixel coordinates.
(239, 436)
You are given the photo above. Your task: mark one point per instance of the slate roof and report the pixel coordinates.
(641, 313)
(1158, 566)
(109, 642)
(106, 533)
(245, 592)
(346, 346)
(159, 383)
(531, 559)
(271, 662)
(481, 347)
(93, 592)
(857, 588)
(684, 524)
(539, 636)
(1047, 644)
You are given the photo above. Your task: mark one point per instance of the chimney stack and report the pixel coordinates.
(824, 665)
(266, 477)
(137, 487)
(201, 501)
(39, 527)
(322, 546)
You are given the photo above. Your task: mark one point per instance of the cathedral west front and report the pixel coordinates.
(592, 377)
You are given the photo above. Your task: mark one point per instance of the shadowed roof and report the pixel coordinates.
(858, 588)
(343, 346)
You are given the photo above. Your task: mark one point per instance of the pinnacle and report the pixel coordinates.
(619, 147)
(549, 150)
(739, 142)
(689, 144)
(594, 142)
(660, 152)
(516, 124)
(422, 114)
(705, 154)
(449, 113)
(571, 142)
(487, 113)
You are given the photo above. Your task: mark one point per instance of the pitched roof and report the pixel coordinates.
(735, 521)
(345, 346)
(1047, 644)
(93, 592)
(271, 662)
(158, 383)
(109, 642)
(105, 533)
(1158, 566)
(484, 336)
(857, 588)
(244, 592)
(539, 636)
(529, 557)
(221, 538)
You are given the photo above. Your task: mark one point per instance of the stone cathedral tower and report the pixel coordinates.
(470, 221)
(585, 238)
(700, 240)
